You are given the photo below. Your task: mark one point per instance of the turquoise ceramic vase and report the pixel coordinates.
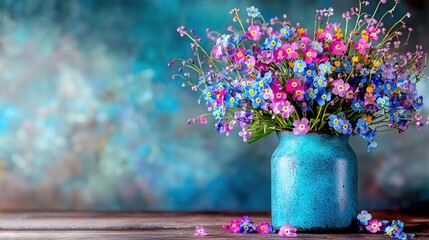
(313, 182)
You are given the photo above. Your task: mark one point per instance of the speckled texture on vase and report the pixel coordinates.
(313, 182)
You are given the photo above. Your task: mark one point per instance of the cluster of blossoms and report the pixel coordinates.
(393, 230)
(246, 225)
(278, 76)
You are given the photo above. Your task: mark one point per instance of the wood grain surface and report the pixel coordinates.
(163, 225)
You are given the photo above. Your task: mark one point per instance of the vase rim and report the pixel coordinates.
(311, 133)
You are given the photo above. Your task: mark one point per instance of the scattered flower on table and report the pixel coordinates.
(267, 76)
(264, 228)
(394, 230)
(364, 216)
(373, 226)
(234, 225)
(287, 231)
(200, 231)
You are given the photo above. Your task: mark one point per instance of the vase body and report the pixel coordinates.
(313, 182)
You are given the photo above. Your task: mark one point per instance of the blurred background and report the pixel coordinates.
(90, 118)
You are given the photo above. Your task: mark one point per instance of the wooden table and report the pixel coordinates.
(161, 225)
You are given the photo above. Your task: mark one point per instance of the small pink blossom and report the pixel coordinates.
(288, 231)
(200, 231)
(285, 108)
(254, 32)
(203, 120)
(292, 85)
(362, 45)
(234, 225)
(373, 225)
(239, 54)
(300, 128)
(373, 33)
(309, 55)
(290, 50)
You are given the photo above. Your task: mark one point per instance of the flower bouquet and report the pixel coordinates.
(340, 78)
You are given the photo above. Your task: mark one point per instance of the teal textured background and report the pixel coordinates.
(91, 120)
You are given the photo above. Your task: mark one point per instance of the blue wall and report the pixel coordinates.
(90, 118)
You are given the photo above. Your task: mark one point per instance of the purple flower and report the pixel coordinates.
(373, 226)
(287, 231)
(340, 88)
(200, 231)
(254, 32)
(286, 109)
(300, 127)
(234, 225)
(264, 228)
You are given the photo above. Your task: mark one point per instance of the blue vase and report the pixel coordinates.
(313, 182)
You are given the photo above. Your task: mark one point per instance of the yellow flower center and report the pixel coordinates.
(335, 121)
(280, 53)
(301, 126)
(294, 84)
(358, 105)
(309, 54)
(273, 43)
(323, 96)
(288, 51)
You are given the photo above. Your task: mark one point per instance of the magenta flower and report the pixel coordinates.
(340, 88)
(292, 85)
(239, 54)
(287, 231)
(279, 54)
(264, 228)
(290, 50)
(338, 48)
(254, 32)
(361, 45)
(200, 231)
(309, 54)
(300, 127)
(298, 95)
(234, 224)
(373, 225)
(373, 33)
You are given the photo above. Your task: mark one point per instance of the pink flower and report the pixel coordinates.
(373, 225)
(287, 230)
(203, 120)
(279, 54)
(338, 47)
(254, 32)
(217, 51)
(285, 108)
(234, 224)
(264, 228)
(200, 231)
(239, 54)
(290, 50)
(340, 88)
(250, 64)
(373, 33)
(361, 45)
(309, 55)
(292, 85)
(300, 128)
(278, 93)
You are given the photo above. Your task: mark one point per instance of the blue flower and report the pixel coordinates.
(246, 228)
(418, 103)
(231, 101)
(383, 101)
(319, 81)
(250, 92)
(253, 12)
(395, 102)
(305, 106)
(346, 127)
(362, 127)
(323, 96)
(325, 68)
(394, 114)
(258, 101)
(309, 71)
(208, 95)
(299, 66)
(286, 32)
(218, 112)
(317, 46)
(311, 94)
(364, 216)
(357, 105)
(271, 43)
(335, 122)
(237, 38)
(388, 87)
(398, 225)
